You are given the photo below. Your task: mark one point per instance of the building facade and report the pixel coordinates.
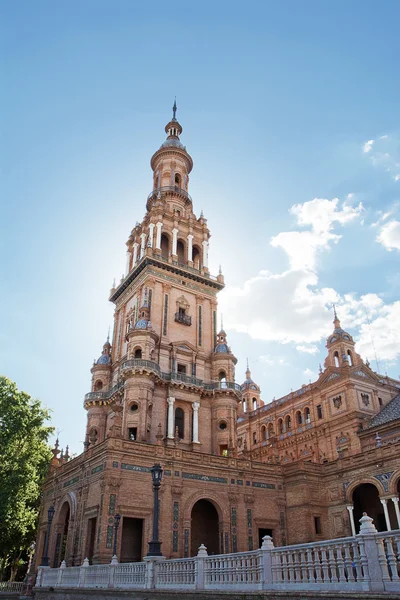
(300, 468)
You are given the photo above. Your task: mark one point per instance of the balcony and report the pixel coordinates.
(180, 317)
(104, 395)
(140, 363)
(169, 189)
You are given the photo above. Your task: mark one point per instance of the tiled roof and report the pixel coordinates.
(389, 413)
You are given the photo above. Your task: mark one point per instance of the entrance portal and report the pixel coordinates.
(261, 533)
(131, 542)
(366, 499)
(204, 528)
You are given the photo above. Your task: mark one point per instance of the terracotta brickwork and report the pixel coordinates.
(234, 465)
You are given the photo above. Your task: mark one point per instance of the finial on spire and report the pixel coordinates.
(247, 363)
(108, 336)
(174, 110)
(222, 322)
(334, 311)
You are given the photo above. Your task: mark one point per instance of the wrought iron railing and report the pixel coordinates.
(169, 188)
(140, 362)
(104, 395)
(183, 319)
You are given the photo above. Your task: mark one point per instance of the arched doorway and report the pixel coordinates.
(204, 527)
(61, 535)
(366, 499)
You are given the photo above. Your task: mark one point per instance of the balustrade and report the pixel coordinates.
(366, 562)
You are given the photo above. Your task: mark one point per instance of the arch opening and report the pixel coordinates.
(164, 246)
(196, 257)
(138, 353)
(204, 527)
(60, 552)
(180, 250)
(180, 422)
(336, 359)
(366, 499)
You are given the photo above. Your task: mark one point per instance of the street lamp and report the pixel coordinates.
(155, 544)
(45, 558)
(117, 519)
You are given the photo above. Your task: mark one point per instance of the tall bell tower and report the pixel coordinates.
(170, 378)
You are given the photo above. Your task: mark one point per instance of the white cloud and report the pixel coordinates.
(385, 153)
(368, 145)
(381, 334)
(308, 349)
(310, 374)
(320, 215)
(389, 235)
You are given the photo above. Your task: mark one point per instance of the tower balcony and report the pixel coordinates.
(103, 395)
(167, 190)
(183, 319)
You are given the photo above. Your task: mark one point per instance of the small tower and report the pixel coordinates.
(141, 337)
(223, 361)
(97, 411)
(250, 394)
(340, 345)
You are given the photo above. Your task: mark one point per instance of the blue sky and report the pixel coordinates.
(281, 103)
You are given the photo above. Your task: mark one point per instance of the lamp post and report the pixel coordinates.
(117, 519)
(45, 558)
(155, 544)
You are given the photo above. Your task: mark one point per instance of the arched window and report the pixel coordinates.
(264, 433)
(336, 359)
(138, 353)
(180, 422)
(164, 245)
(288, 423)
(254, 403)
(299, 418)
(244, 405)
(270, 430)
(177, 180)
(280, 426)
(180, 250)
(196, 257)
(307, 415)
(98, 385)
(222, 379)
(350, 358)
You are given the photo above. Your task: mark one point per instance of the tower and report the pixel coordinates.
(170, 374)
(340, 345)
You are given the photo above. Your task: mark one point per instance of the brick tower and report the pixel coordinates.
(172, 373)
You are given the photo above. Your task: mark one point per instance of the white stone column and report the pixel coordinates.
(135, 252)
(395, 501)
(350, 508)
(142, 244)
(385, 510)
(190, 247)
(196, 406)
(158, 235)
(128, 260)
(151, 234)
(205, 253)
(174, 241)
(171, 420)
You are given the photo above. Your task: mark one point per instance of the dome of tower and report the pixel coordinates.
(141, 324)
(105, 359)
(222, 348)
(174, 142)
(338, 332)
(248, 382)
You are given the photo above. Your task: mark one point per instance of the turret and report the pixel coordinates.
(340, 345)
(250, 394)
(97, 410)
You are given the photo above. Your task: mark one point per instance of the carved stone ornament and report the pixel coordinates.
(337, 401)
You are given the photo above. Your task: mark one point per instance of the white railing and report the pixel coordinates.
(130, 575)
(11, 587)
(389, 558)
(367, 562)
(175, 574)
(336, 564)
(242, 570)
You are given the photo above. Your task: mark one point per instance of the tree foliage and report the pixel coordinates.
(24, 462)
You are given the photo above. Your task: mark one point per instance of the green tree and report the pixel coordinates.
(24, 462)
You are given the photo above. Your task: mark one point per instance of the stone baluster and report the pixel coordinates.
(190, 248)
(196, 406)
(135, 253)
(158, 235)
(385, 510)
(395, 501)
(171, 432)
(350, 508)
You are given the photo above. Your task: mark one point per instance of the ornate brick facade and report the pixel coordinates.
(164, 391)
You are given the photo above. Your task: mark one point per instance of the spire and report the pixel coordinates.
(174, 110)
(108, 336)
(248, 372)
(336, 321)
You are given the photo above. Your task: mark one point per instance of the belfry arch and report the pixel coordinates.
(366, 499)
(205, 526)
(61, 534)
